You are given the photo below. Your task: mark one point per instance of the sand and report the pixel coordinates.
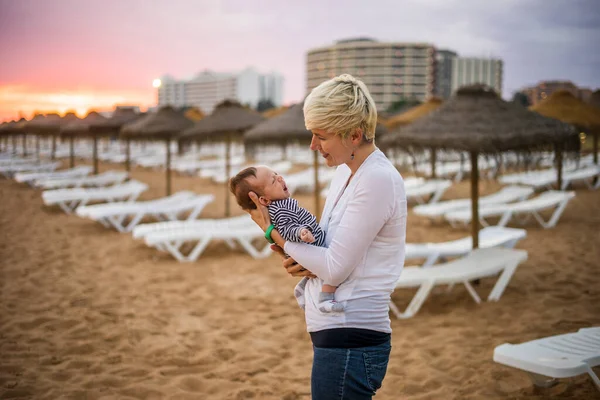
(89, 313)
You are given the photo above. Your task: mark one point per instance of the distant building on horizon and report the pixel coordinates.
(208, 88)
(391, 70)
(472, 70)
(443, 76)
(543, 89)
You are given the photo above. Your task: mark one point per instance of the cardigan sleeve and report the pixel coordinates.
(366, 213)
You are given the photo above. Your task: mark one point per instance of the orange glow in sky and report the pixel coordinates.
(16, 101)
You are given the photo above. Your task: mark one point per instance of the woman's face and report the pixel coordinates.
(331, 146)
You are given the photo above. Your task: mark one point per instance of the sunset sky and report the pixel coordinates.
(77, 54)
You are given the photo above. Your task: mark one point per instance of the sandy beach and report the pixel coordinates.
(89, 313)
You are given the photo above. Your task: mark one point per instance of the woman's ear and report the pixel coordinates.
(357, 136)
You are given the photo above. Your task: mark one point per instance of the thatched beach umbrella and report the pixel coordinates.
(414, 113)
(165, 125)
(562, 105)
(476, 120)
(13, 129)
(227, 122)
(409, 116)
(110, 128)
(78, 128)
(50, 125)
(275, 111)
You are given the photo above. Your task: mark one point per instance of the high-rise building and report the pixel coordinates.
(209, 88)
(470, 70)
(539, 92)
(391, 71)
(443, 75)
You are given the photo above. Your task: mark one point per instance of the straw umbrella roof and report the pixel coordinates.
(562, 105)
(194, 113)
(476, 119)
(111, 126)
(288, 126)
(228, 117)
(81, 126)
(51, 124)
(414, 113)
(163, 124)
(275, 111)
(13, 127)
(42, 124)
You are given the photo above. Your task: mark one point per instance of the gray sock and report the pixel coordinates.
(323, 296)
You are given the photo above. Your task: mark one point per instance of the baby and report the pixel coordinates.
(293, 222)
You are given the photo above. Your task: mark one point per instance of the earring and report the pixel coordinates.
(352, 155)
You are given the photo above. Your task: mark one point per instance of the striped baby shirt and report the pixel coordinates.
(289, 218)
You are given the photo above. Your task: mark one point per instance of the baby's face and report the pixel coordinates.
(273, 186)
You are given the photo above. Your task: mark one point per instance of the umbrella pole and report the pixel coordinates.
(127, 155)
(24, 145)
(317, 191)
(559, 165)
(95, 152)
(596, 147)
(168, 142)
(37, 147)
(52, 156)
(72, 151)
(227, 174)
(474, 200)
(433, 161)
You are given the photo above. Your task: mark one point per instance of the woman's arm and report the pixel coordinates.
(366, 213)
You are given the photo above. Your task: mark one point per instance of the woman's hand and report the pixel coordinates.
(290, 265)
(260, 215)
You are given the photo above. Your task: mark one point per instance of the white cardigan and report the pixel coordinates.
(366, 237)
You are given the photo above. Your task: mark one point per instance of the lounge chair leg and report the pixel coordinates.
(472, 292)
(593, 376)
(502, 282)
(417, 301)
(542, 381)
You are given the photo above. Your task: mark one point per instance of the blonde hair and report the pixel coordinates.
(341, 105)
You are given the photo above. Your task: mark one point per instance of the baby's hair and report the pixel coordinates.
(240, 187)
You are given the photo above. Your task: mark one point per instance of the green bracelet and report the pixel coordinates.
(268, 234)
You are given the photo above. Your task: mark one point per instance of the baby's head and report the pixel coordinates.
(261, 180)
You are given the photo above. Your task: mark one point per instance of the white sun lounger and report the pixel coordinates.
(492, 236)
(9, 170)
(231, 230)
(141, 231)
(70, 199)
(480, 263)
(547, 178)
(433, 188)
(505, 195)
(124, 216)
(76, 172)
(554, 357)
(104, 179)
(552, 199)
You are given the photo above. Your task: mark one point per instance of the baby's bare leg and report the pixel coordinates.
(328, 289)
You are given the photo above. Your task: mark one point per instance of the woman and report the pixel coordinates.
(365, 223)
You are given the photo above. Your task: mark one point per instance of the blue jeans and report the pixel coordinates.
(348, 374)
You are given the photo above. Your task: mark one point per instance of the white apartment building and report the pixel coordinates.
(209, 88)
(470, 70)
(390, 70)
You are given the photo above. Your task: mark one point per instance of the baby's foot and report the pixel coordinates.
(327, 303)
